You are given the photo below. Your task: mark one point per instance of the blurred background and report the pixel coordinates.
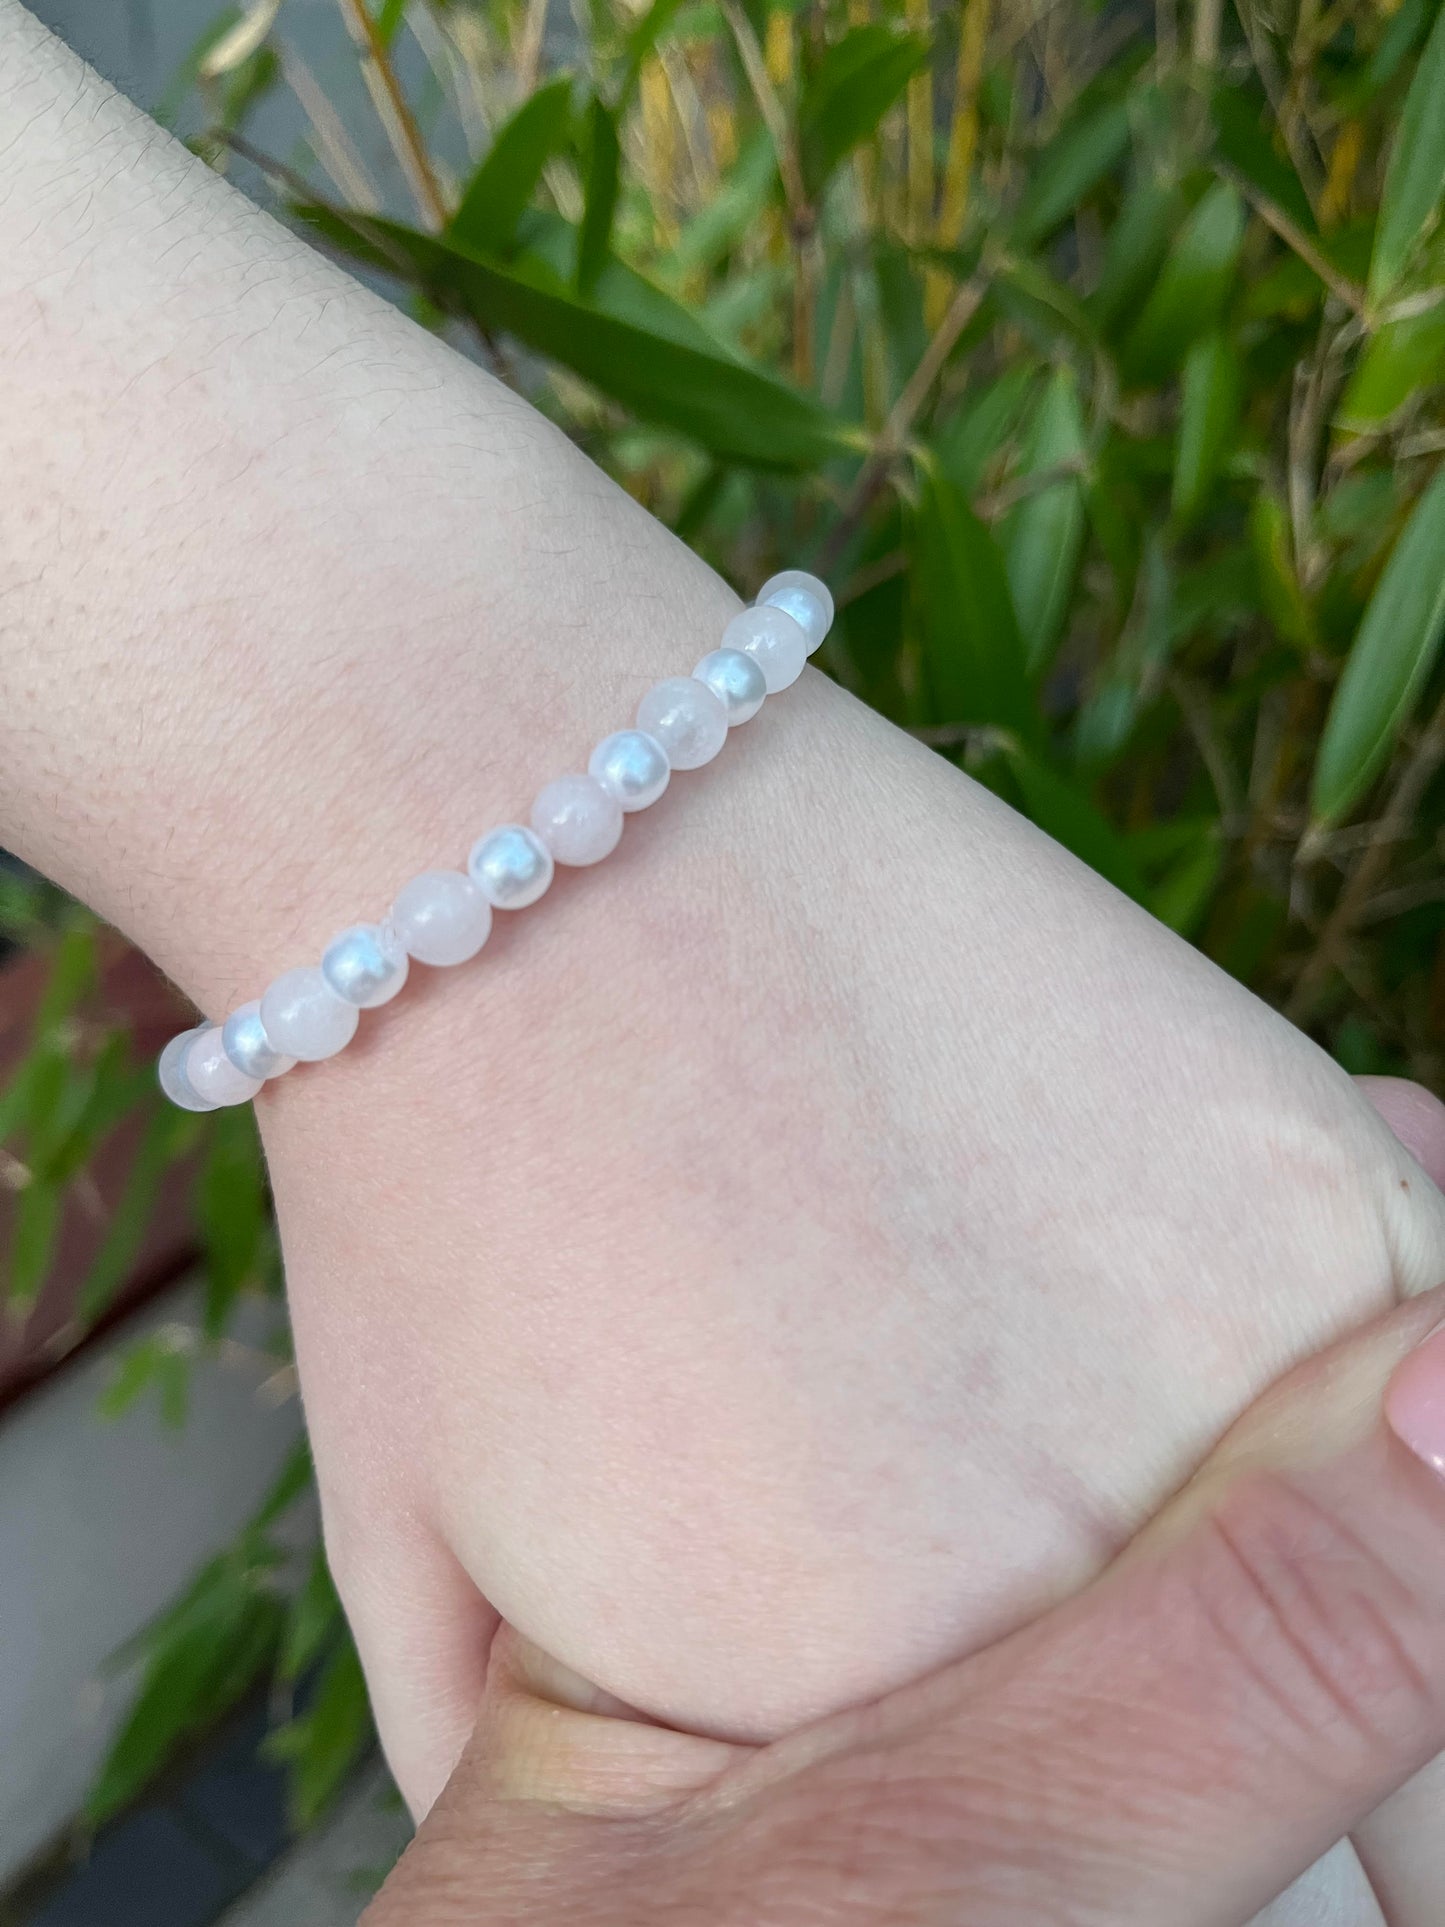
(1095, 353)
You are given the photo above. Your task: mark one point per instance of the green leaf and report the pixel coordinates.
(641, 41)
(967, 444)
(1135, 246)
(1076, 160)
(328, 1739)
(973, 651)
(604, 160)
(159, 1363)
(231, 1211)
(1208, 413)
(732, 410)
(1279, 584)
(1043, 537)
(850, 90)
(167, 1132)
(389, 18)
(291, 1482)
(1188, 298)
(1403, 359)
(1063, 811)
(1393, 654)
(39, 1209)
(198, 1669)
(311, 1618)
(498, 193)
(1415, 178)
(1243, 140)
(1181, 899)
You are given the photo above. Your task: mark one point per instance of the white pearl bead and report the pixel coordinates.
(442, 917)
(776, 643)
(736, 680)
(212, 1075)
(686, 718)
(511, 866)
(631, 766)
(244, 1040)
(304, 1017)
(172, 1072)
(578, 820)
(807, 600)
(366, 965)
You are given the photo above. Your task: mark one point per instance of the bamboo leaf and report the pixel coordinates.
(1076, 160)
(1208, 413)
(1393, 654)
(325, 1742)
(972, 647)
(1044, 536)
(1415, 178)
(38, 1212)
(1401, 361)
(1241, 138)
(504, 183)
(1188, 298)
(850, 90)
(604, 160)
(733, 410)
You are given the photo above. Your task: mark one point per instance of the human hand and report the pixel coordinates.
(1177, 1743)
(804, 1249)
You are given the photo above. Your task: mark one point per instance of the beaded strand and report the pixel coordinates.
(444, 917)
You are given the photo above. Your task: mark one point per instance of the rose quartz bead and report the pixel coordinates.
(304, 1017)
(776, 643)
(442, 917)
(212, 1075)
(631, 766)
(686, 718)
(807, 600)
(578, 820)
(737, 682)
(172, 1072)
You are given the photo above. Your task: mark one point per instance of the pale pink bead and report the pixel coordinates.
(776, 642)
(805, 598)
(212, 1075)
(442, 917)
(686, 718)
(578, 820)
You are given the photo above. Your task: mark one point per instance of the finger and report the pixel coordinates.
(1415, 1115)
(1261, 1670)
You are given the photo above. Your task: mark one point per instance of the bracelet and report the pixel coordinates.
(445, 916)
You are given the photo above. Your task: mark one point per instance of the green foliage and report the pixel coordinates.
(1105, 381)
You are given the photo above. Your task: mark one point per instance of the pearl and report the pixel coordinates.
(212, 1075)
(172, 1072)
(366, 965)
(736, 680)
(776, 643)
(686, 718)
(244, 1040)
(511, 866)
(303, 1016)
(442, 917)
(807, 600)
(631, 766)
(578, 820)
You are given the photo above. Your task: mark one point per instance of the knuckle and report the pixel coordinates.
(1341, 1655)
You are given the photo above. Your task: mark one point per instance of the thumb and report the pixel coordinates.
(1259, 1671)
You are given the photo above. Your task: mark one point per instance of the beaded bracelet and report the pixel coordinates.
(445, 916)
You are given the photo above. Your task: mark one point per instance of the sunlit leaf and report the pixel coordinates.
(1393, 654)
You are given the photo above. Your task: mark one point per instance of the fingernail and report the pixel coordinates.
(1415, 1401)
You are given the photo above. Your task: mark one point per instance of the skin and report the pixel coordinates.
(797, 1253)
(1076, 1772)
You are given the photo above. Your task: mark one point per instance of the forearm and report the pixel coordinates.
(295, 600)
